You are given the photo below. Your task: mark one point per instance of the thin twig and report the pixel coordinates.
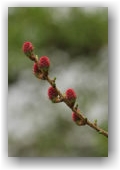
(84, 120)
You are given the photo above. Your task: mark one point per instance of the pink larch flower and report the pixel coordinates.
(75, 117)
(27, 48)
(37, 72)
(71, 96)
(44, 63)
(52, 93)
(35, 68)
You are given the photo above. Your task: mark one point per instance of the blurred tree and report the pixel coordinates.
(79, 34)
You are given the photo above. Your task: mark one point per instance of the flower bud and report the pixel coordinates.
(52, 93)
(37, 72)
(28, 48)
(44, 63)
(75, 117)
(71, 96)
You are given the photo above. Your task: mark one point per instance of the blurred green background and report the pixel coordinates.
(76, 41)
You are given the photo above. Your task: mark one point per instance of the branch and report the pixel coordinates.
(40, 70)
(83, 120)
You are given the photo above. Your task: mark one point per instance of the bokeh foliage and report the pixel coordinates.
(79, 34)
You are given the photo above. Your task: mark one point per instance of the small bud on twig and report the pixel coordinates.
(28, 50)
(95, 122)
(52, 93)
(71, 96)
(44, 63)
